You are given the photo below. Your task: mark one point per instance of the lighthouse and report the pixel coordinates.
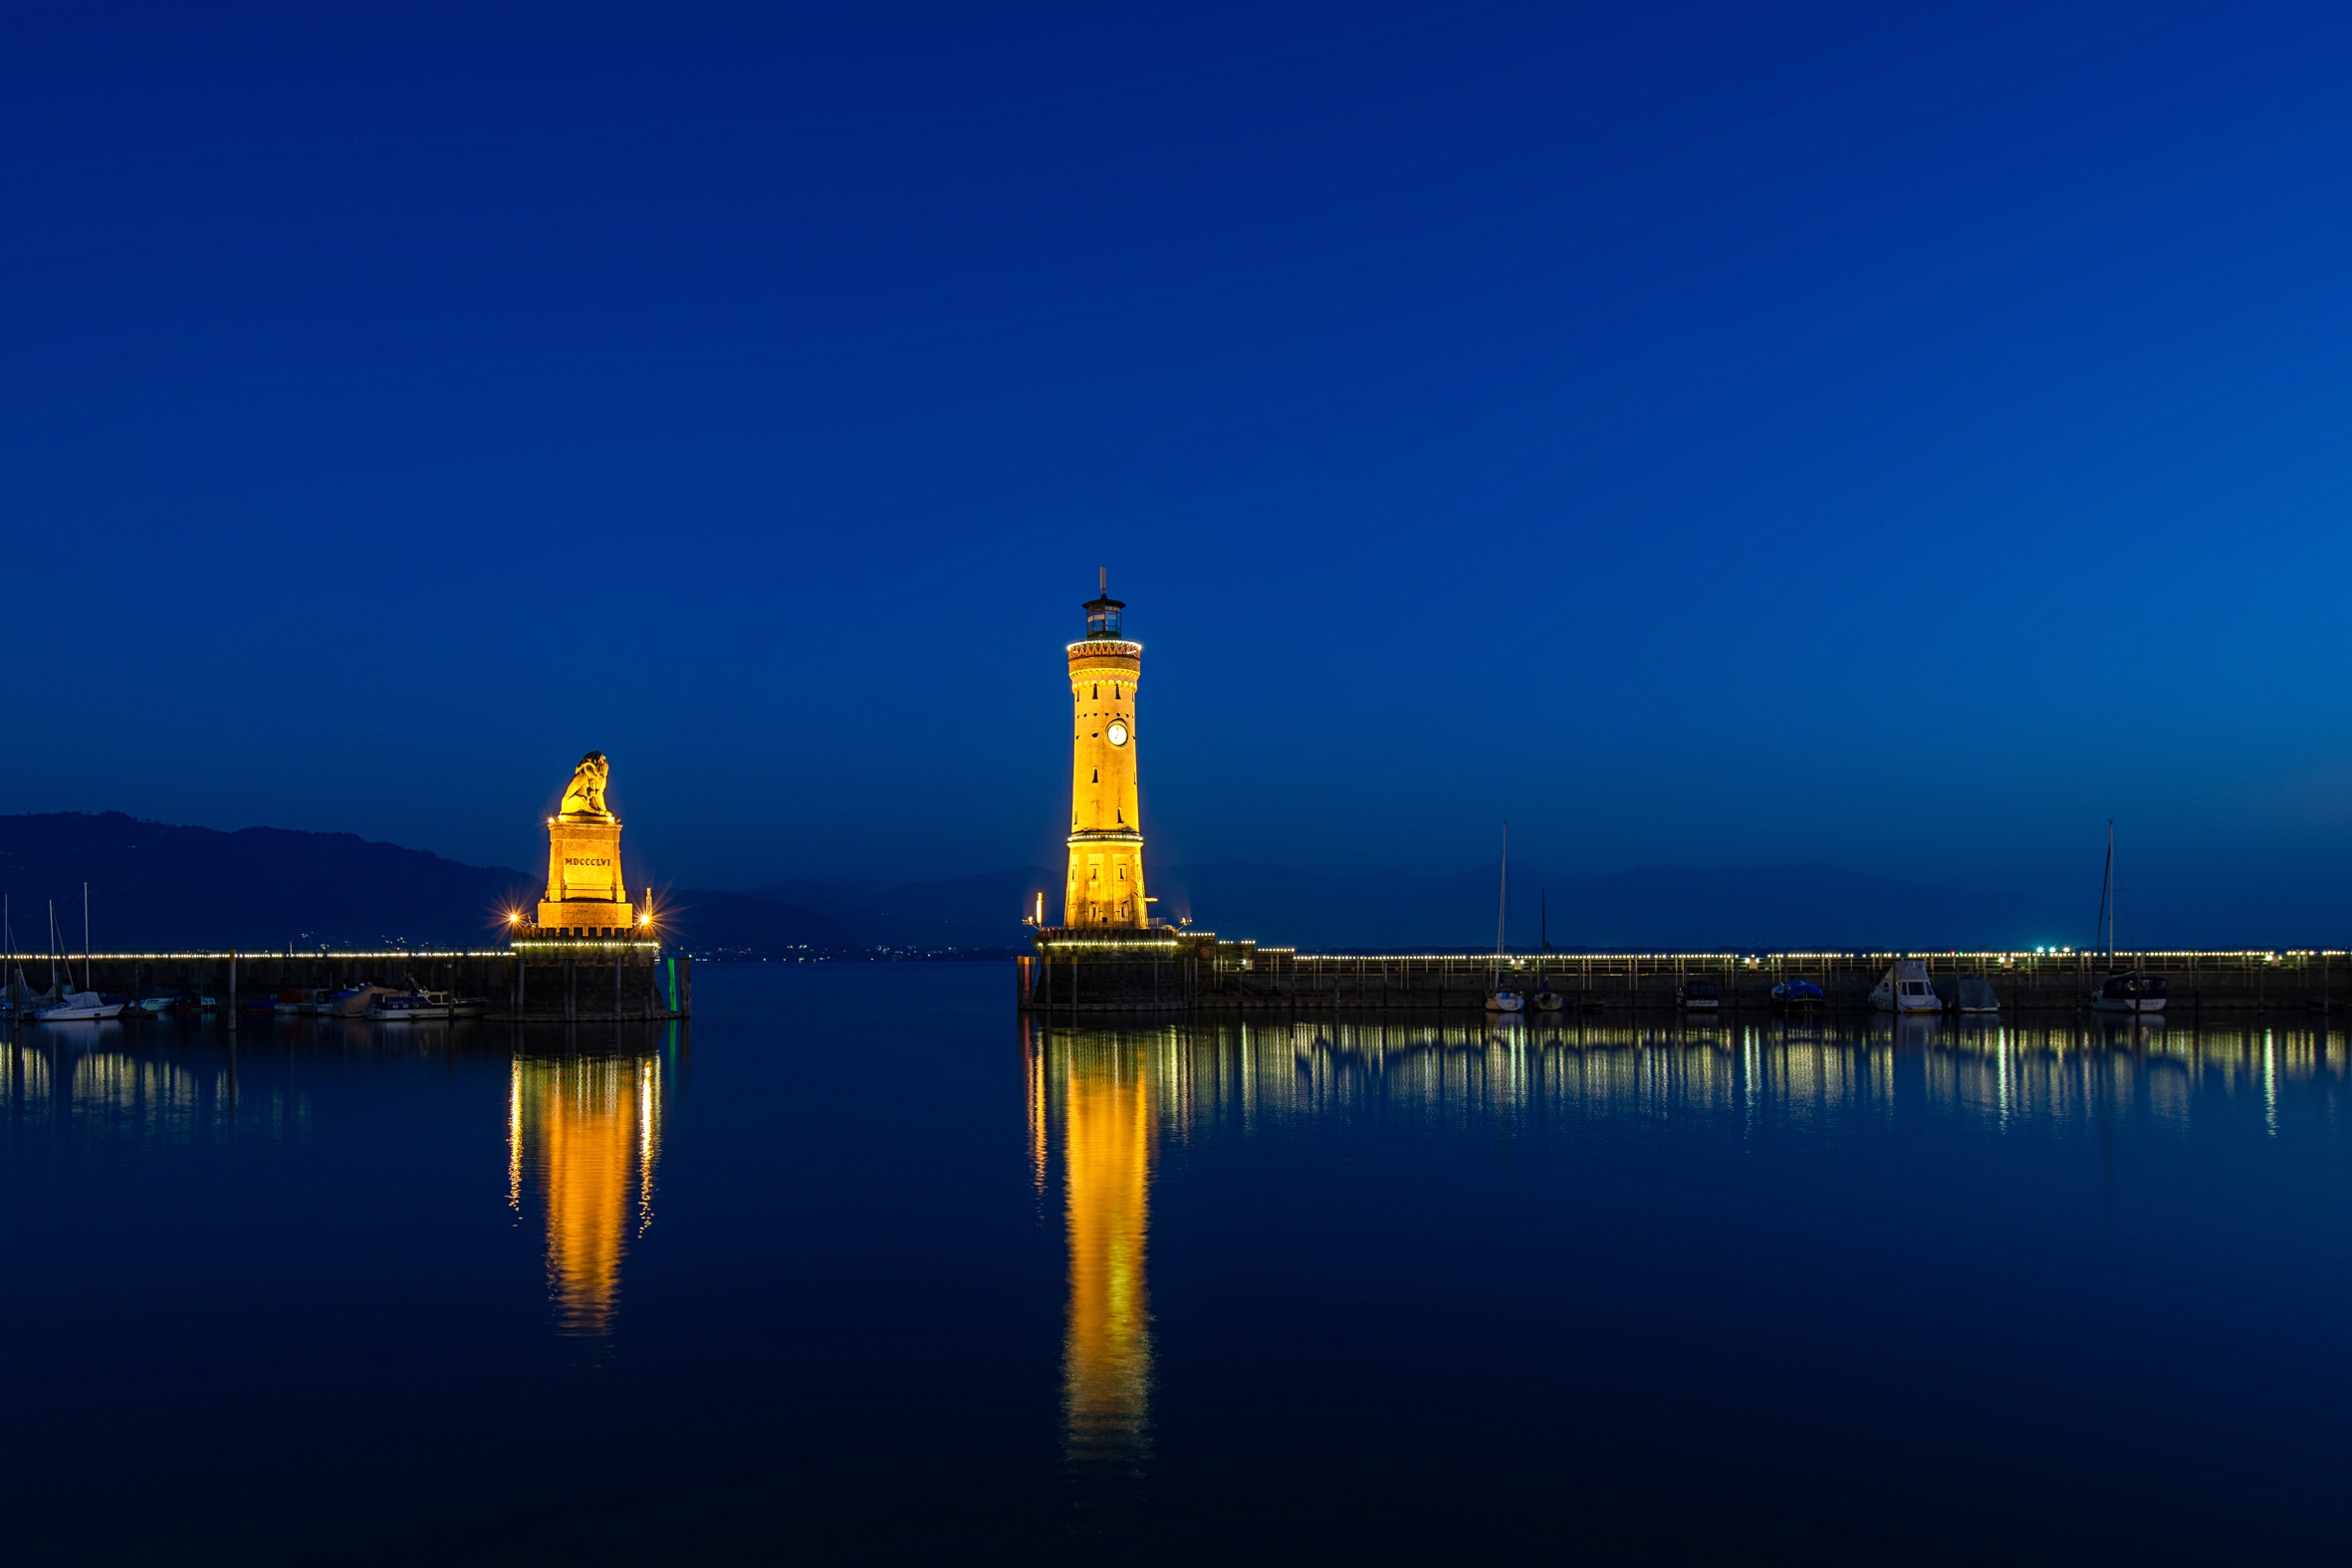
(1106, 885)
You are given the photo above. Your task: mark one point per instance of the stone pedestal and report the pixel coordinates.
(585, 889)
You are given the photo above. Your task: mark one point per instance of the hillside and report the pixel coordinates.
(154, 886)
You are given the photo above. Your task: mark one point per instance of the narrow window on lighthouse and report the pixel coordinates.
(1099, 693)
(1097, 778)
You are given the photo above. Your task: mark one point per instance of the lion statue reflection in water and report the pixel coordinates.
(584, 795)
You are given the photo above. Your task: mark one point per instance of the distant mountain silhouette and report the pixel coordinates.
(153, 885)
(156, 886)
(743, 923)
(970, 913)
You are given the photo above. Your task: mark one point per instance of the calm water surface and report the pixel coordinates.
(866, 1267)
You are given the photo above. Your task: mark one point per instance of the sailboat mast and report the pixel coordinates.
(86, 984)
(1501, 894)
(2106, 886)
(2111, 892)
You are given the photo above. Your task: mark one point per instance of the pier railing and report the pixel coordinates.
(554, 980)
(1195, 972)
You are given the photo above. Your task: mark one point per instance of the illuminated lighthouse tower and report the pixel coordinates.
(1105, 834)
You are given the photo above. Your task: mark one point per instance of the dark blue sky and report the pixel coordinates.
(1894, 436)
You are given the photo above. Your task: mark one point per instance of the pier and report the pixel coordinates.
(554, 981)
(1091, 971)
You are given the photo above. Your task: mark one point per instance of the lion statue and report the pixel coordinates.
(584, 795)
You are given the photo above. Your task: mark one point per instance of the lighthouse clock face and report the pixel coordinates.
(1116, 734)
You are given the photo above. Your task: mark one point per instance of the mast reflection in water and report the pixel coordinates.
(1090, 1087)
(1539, 1075)
(583, 1134)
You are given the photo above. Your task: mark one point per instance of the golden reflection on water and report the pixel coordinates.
(584, 1135)
(1095, 1089)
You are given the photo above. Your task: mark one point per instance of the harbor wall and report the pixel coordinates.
(584, 983)
(1194, 974)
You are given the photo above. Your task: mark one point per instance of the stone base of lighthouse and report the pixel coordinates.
(1106, 885)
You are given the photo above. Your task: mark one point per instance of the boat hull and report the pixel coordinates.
(1905, 1006)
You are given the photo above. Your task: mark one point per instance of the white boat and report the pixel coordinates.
(404, 1007)
(1504, 1002)
(79, 1007)
(86, 1005)
(1698, 996)
(1905, 988)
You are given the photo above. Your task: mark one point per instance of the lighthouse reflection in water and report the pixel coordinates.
(583, 1140)
(1091, 1103)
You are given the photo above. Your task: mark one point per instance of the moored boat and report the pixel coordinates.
(1697, 995)
(354, 1002)
(2124, 990)
(1905, 988)
(2133, 990)
(1546, 999)
(1501, 998)
(78, 1006)
(1799, 995)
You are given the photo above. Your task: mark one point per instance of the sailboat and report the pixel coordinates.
(2123, 990)
(1545, 998)
(77, 1005)
(19, 1004)
(1499, 999)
